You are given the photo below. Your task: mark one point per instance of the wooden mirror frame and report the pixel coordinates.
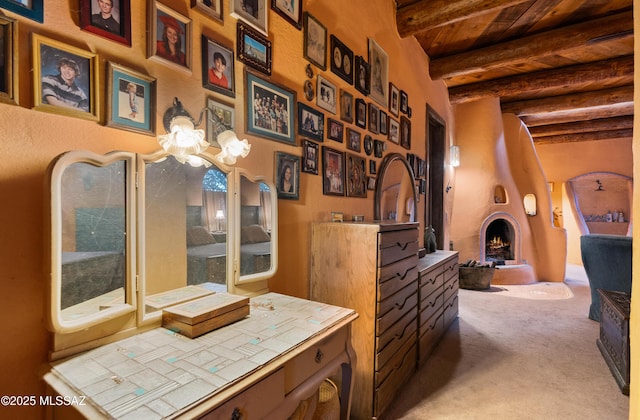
(384, 168)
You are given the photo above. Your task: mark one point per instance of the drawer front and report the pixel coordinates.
(396, 307)
(386, 391)
(451, 288)
(387, 344)
(429, 334)
(394, 246)
(431, 281)
(450, 268)
(431, 306)
(450, 311)
(395, 276)
(253, 403)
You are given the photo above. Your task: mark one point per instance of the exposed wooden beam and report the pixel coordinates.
(428, 14)
(602, 124)
(521, 50)
(592, 136)
(612, 111)
(620, 68)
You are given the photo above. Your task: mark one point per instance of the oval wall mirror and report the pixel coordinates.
(395, 196)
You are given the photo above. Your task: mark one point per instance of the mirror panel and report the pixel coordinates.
(395, 196)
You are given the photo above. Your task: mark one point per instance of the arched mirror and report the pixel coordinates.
(395, 196)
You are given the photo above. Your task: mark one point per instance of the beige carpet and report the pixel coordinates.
(537, 291)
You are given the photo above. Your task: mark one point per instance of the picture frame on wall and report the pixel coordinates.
(109, 19)
(310, 122)
(379, 84)
(404, 102)
(211, 8)
(50, 58)
(169, 40)
(367, 144)
(326, 94)
(8, 66)
(354, 141)
(332, 171)
(383, 123)
(336, 130)
(218, 67)
(31, 9)
(394, 100)
(356, 176)
(346, 106)
(394, 131)
(287, 176)
(378, 148)
(254, 49)
(361, 113)
(405, 132)
(221, 118)
(253, 12)
(374, 116)
(315, 41)
(290, 10)
(310, 153)
(131, 100)
(341, 60)
(262, 97)
(363, 75)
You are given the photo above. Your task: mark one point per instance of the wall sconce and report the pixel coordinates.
(232, 147)
(454, 156)
(530, 204)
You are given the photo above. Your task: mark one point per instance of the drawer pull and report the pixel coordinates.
(236, 414)
(404, 275)
(400, 305)
(319, 356)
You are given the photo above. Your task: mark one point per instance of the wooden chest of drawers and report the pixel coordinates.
(614, 334)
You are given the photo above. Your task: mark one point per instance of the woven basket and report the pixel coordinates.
(328, 407)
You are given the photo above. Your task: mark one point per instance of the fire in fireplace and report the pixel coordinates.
(499, 237)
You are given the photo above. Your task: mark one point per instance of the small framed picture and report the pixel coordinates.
(264, 98)
(310, 122)
(394, 100)
(382, 125)
(404, 102)
(354, 140)
(211, 8)
(356, 176)
(336, 130)
(288, 176)
(254, 49)
(326, 95)
(217, 67)
(405, 132)
(31, 9)
(54, 61)
(346, 106)
(169, 36)
(371, 180)
(374, 115)
(131, 101)
(378, 148)
(394, 131)
(315, 41)
(363, 74)
(290, 10)
(108, 18)
(253, 12)
(372, 167)
(367, 143)
(222, 117)
(361, 113)
(310, 153)
(8, 66)
(379, 62)
(332, 171)
(341, 60)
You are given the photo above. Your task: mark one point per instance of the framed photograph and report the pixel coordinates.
(315, 41)
(374, 116)
(371, 180)
(363, 75)
(379, 62)
(310, 153)
(356, 176)
(336, 130)
(372, 167)
(31, 9)
(378, 148)
(290, 10)
(327, 95)
(8, 66)
(254, 49)
(310, 122)
(264, 98)
(253, 12)
(354, 140)
(221, 118)
(382, 123)
(361, 113)
(217, 67)
(288, 176)
(169, 36)
(108, 18)
(368, 145)
(131, 100)
(394, 100)
(211, 8)
(405, 132)
(54, 61)
(346, 106)
(332, 171)
(394, 131)
(341, 60)
(404, 102)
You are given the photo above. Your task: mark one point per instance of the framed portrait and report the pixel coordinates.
(356, 176)
(110, 19)
(341, 60)
(52, 59)
(382, 123)
(361, 113)
(290, 10)
(371, 180)
(287, 176)
(372, 167)
(131, 100)
(374, 116)
(405, 132)
(310, 153)
(254, 49)
(326, 95)
(221, 118)
(310, 122)
(253, 12)
(8, 66)
(404, 102)
(335, 130)
(346, 106)
(315, 41)
(218, 68)
(394, 131)
(367, 143)
(394, 100)
(31, 9)
(379, 84)
(363, 74)
(211, 8)
(354, 140)
(169, 40)
(378, 148)
(332, 171)
(264, 98)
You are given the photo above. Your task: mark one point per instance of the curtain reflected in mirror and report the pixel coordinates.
(255, 227)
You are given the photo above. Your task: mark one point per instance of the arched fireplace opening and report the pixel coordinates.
(499, 240)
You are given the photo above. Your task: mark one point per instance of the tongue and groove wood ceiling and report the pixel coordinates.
(565, 67)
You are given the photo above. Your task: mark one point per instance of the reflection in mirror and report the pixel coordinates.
(255, 227)
(395, 195)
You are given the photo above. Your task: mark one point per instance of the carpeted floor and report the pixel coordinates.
(514, 358)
